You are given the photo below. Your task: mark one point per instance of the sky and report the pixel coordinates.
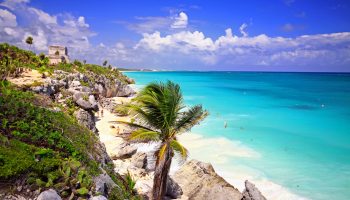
(225, 35)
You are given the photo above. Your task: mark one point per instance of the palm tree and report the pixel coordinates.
(29, 41)
(160, 117)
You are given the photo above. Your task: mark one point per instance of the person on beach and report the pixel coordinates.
(101, 112)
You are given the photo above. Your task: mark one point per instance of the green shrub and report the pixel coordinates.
(121, 110)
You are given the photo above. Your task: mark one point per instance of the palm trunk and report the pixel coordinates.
(161, 176)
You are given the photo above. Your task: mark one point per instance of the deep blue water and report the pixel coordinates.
(298, 122)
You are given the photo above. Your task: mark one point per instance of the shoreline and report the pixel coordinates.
(196, 144)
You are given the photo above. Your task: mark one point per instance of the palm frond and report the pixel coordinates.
(162, 103)
(144, 135)
(190, 118)
(132, 124)
(178, 148)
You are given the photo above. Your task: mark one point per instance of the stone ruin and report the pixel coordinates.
(58, 54)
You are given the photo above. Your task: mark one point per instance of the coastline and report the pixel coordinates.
(198, 146)
(217, 152)
(205, 149)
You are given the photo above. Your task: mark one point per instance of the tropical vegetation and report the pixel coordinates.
(14, 60)
(41, 147)
(160, 116)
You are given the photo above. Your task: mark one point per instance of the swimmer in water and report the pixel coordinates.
(225, 125)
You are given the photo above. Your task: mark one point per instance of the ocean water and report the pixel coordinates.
(289, 133)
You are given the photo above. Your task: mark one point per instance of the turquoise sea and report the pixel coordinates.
(289, 132)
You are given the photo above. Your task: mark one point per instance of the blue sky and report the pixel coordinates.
(274, 35)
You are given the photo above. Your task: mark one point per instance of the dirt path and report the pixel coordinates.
(27, 78)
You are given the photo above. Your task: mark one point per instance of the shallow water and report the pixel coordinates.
(287, 132)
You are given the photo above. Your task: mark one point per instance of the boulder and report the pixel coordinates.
(139, 160)
(75, 84)
(99, 197)
(45, 89)
(85, 101)
(251, 192)
(124, 90)
(199, 180)
(87, 119)
(104, 184)
(126, 151)
(49, 195)
(173, 190)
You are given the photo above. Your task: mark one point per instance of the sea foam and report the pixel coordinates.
(220, 152)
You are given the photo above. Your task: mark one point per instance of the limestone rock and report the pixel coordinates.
(124, 90)
(49, 195)
(100, 197)
(139, 160)
(251, 192)
(45, 89)
(85, 101)
(173, 190)
(125, 152)
(198, 180)
(87, 119)
(104, 184)
(74, 84)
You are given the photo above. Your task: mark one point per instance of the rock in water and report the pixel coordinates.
(251, 192)
(199, 181)
(49, 195)
(173, 190)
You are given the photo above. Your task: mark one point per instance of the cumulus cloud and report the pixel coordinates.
(46, 29)
(7, 19)
(242, 29)
(181, 21)
(230, 49)
(43, 16)
(150, 24)
(176, 49)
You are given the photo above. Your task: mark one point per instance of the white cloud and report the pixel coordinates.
(163, 46)
(242, 29)
(45, 28)
(181, 21)
(183, 41)
(152, 24)
(7, 19)
(81, 22)
(39, 38)
(332, 49)
(43, 16)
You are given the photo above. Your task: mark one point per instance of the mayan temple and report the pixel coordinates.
(58, 54)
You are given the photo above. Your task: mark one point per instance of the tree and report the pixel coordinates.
(160, 116)
(104, 63)
(29, 41)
